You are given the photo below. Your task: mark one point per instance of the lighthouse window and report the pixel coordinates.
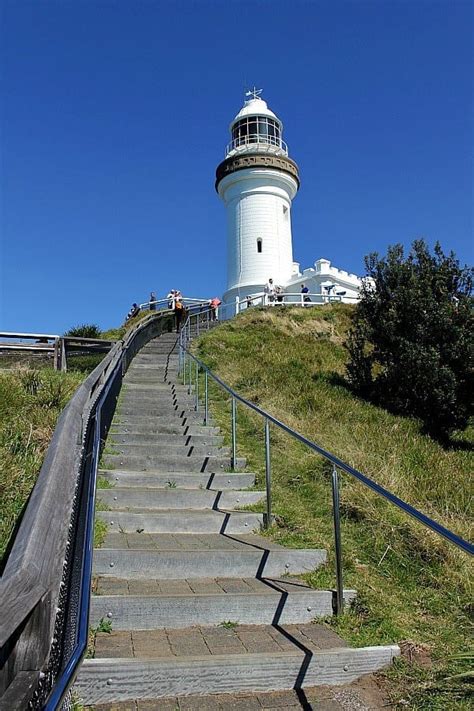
(256, 129)
(259, 246)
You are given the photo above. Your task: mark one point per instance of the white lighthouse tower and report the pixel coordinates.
(257, 182)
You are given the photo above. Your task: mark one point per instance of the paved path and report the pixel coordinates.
(192, 608)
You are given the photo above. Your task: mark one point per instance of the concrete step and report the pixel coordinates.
(183, 521)
(171, 447)
(173, 417)
(103, 680)
(127, 498)
(245, 563)
(145, 428)
(281, 602)
(169, 463)
(218, 482)
(152, 405)
(155, 387)
(157, 411)
(178, 438)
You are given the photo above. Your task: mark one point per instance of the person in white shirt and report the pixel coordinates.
(269, 291)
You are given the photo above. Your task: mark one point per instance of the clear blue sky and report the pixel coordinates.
(115, 115)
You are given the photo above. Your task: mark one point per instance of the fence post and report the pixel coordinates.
(268, 475)
(234, 436)
(63, 355)
(206, 398)
(189, 375)
(196, 407)
(56, 354)
(337, 541)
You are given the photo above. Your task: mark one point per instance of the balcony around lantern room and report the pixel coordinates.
(261, 134)
(256, 143)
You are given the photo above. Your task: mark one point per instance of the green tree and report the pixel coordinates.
(411, 343)
(84, 331)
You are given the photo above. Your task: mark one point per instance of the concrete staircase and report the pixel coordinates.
(197, 601)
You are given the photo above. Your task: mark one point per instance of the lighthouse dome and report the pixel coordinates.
(255, 107)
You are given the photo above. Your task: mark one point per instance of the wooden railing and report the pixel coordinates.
(57, 346)
(35, 589)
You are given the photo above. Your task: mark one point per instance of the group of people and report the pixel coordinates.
(275, 294)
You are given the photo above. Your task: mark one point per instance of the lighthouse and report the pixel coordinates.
(257, 182)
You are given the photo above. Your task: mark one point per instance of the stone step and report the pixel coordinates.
(177, 437)
(169, 463)
(183, 521)
(172, 447)
(278, 602)
(107, 679)
(364, 695)
(127, 498)
(244, 563)
(218, 482)
(145, 428)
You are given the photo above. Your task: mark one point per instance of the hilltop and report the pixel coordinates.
(413, 587)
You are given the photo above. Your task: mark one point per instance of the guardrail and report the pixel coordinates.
(186, 358)
(59, 346)
(45, 587)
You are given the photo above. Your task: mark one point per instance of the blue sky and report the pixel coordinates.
(115, 115)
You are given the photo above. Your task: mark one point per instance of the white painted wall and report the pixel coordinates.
(258, 204)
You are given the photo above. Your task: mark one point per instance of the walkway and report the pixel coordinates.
(193, 609)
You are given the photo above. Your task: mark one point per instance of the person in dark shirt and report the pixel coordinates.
(134, 311)
(305, 292)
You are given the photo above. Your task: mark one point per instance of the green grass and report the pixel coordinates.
(412, 586)
(30, 403)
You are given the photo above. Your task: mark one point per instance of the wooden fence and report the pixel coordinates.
(33, 588)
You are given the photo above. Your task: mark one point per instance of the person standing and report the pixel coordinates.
(214, 305)
(179, 313)
(269, 291)
(152, 301)
(305, 292)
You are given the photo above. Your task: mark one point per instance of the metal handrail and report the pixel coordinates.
(336, 462)
(270, 144)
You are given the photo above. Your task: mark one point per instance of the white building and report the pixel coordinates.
(257, 182)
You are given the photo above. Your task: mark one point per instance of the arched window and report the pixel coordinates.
(259, 246)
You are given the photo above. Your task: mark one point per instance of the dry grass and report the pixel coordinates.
(30, 403)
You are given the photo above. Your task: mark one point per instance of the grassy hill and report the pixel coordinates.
(413, 587)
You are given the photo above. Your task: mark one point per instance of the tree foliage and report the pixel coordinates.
(86, 330)
(411, 343)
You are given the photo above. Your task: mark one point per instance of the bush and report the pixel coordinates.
(84, 331)
(412, 337)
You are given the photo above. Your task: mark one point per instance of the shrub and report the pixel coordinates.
(84, 331)
(412, 337)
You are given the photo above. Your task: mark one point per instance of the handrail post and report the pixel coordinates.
(190, 375)
(196, 407)
(234, 436)
(197, 324)
(206, 398)
(337, 540)
(268, 475)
